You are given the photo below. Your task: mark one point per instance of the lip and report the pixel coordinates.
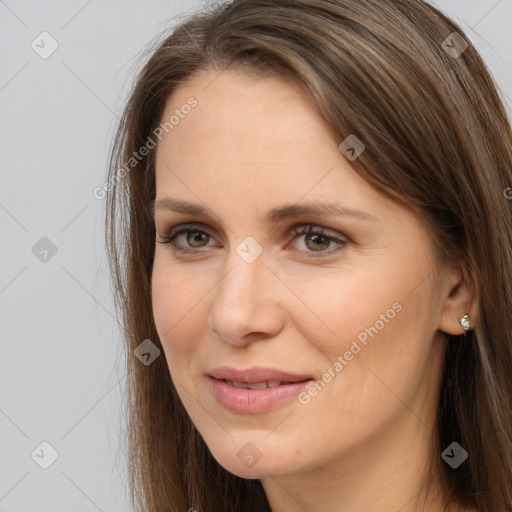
(256, 374)
(255, 401)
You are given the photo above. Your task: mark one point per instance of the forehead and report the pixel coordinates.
(253, 111)
(245, 122)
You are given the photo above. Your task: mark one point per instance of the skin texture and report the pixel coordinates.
(362, 443)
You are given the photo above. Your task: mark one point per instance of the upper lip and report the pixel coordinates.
(256, 374)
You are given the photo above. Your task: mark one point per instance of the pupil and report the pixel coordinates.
(315, 239)
(195, 238)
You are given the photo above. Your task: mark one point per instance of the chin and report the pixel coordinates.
(249, 459)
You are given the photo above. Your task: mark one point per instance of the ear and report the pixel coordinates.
(458, 299)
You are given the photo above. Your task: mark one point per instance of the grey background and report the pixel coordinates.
(61, 370)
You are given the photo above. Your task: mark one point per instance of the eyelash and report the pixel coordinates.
(297, 231)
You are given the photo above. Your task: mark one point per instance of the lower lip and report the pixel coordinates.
(254, 401)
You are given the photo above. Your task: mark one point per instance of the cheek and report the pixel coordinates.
(176, 301)
(380, 332)
(371, 319)
(336, 307)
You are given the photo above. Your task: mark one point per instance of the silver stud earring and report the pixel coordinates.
(465, 321)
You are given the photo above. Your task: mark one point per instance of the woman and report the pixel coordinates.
(307, 214)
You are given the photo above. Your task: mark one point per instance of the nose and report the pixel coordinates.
(246, 304)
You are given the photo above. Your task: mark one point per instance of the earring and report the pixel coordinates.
(465, 321)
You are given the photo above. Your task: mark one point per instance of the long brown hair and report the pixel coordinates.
(437, 138)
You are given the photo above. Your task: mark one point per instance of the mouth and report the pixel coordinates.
(255, 391)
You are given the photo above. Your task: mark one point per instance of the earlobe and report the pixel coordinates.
(460, 303)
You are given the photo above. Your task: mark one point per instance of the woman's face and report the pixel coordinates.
(355, 308)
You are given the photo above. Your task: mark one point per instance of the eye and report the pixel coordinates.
(191, 237)
(188, 238)
(317, 240)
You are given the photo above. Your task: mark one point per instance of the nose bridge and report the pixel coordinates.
(245, 270)
(242, 301)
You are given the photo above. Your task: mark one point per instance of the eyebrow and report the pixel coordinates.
(274, 215)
